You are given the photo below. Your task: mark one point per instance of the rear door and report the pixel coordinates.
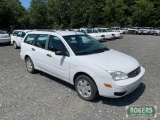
(14, 36)
(38, 50)
(19, 38)
(28, 48)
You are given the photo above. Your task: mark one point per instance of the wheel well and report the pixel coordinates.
(26, 57)
(82, 73)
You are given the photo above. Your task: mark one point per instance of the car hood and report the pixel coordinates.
(112, 60)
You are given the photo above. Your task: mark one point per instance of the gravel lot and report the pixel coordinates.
(25, 96)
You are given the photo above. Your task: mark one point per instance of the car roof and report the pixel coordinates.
(62, 33)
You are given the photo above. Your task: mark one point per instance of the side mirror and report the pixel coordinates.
(23, 36)
(62, 53)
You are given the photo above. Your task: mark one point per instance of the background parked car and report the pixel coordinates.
(108, 36)
(17, 37)
(94, 34)
(118, 29)
(133, 30)
(116, 34)
(125, 30)
(4, 37)
(156, 31)
(145, 31)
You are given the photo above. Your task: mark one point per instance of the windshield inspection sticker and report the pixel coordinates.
(141, 111)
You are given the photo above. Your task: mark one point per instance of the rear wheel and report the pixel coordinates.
(15, 45)
(86, 88)
(30, 65)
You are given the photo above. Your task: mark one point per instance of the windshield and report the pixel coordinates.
(84, 44)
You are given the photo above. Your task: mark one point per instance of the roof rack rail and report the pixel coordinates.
(48, 30)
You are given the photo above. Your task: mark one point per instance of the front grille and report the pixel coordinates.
(112, 34)
(135, 72)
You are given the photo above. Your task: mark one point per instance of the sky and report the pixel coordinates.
(25, 3)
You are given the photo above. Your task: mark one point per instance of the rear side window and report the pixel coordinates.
(30, 38)
(41, 41)
(15, 33)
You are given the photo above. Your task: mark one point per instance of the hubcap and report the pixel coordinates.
(84, 88)
(29, 65)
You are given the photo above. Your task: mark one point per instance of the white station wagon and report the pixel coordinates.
(17, 37)
(82, 61)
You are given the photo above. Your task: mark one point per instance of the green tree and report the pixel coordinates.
(38, 14)
(143, 12)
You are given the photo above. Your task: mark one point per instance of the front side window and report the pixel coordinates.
(30, 38)
(55, 44)
(41, 41)
(84, 44)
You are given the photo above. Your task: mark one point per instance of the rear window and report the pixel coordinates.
(30, 38)
(2, 32)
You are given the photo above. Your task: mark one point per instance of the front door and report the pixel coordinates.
(58, 65)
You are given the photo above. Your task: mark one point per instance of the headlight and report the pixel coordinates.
(117, 75)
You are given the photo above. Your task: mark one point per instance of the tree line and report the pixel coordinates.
(60, 14)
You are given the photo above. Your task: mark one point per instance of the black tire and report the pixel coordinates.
(9, 43)
(15, 45)
(29, 62)
(92, 91)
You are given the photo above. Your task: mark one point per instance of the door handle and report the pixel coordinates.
(49, 55)
(33, 49)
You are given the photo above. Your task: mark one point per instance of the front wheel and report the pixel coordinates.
(15, 45)
(30, 65)
(86, 88)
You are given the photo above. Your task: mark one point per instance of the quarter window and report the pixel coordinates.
(30, 38)
(55, 44)
(41, 41)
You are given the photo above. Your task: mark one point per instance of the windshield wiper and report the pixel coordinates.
(100, 50)
(82, 53)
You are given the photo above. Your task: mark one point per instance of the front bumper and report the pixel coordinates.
(119, 88)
